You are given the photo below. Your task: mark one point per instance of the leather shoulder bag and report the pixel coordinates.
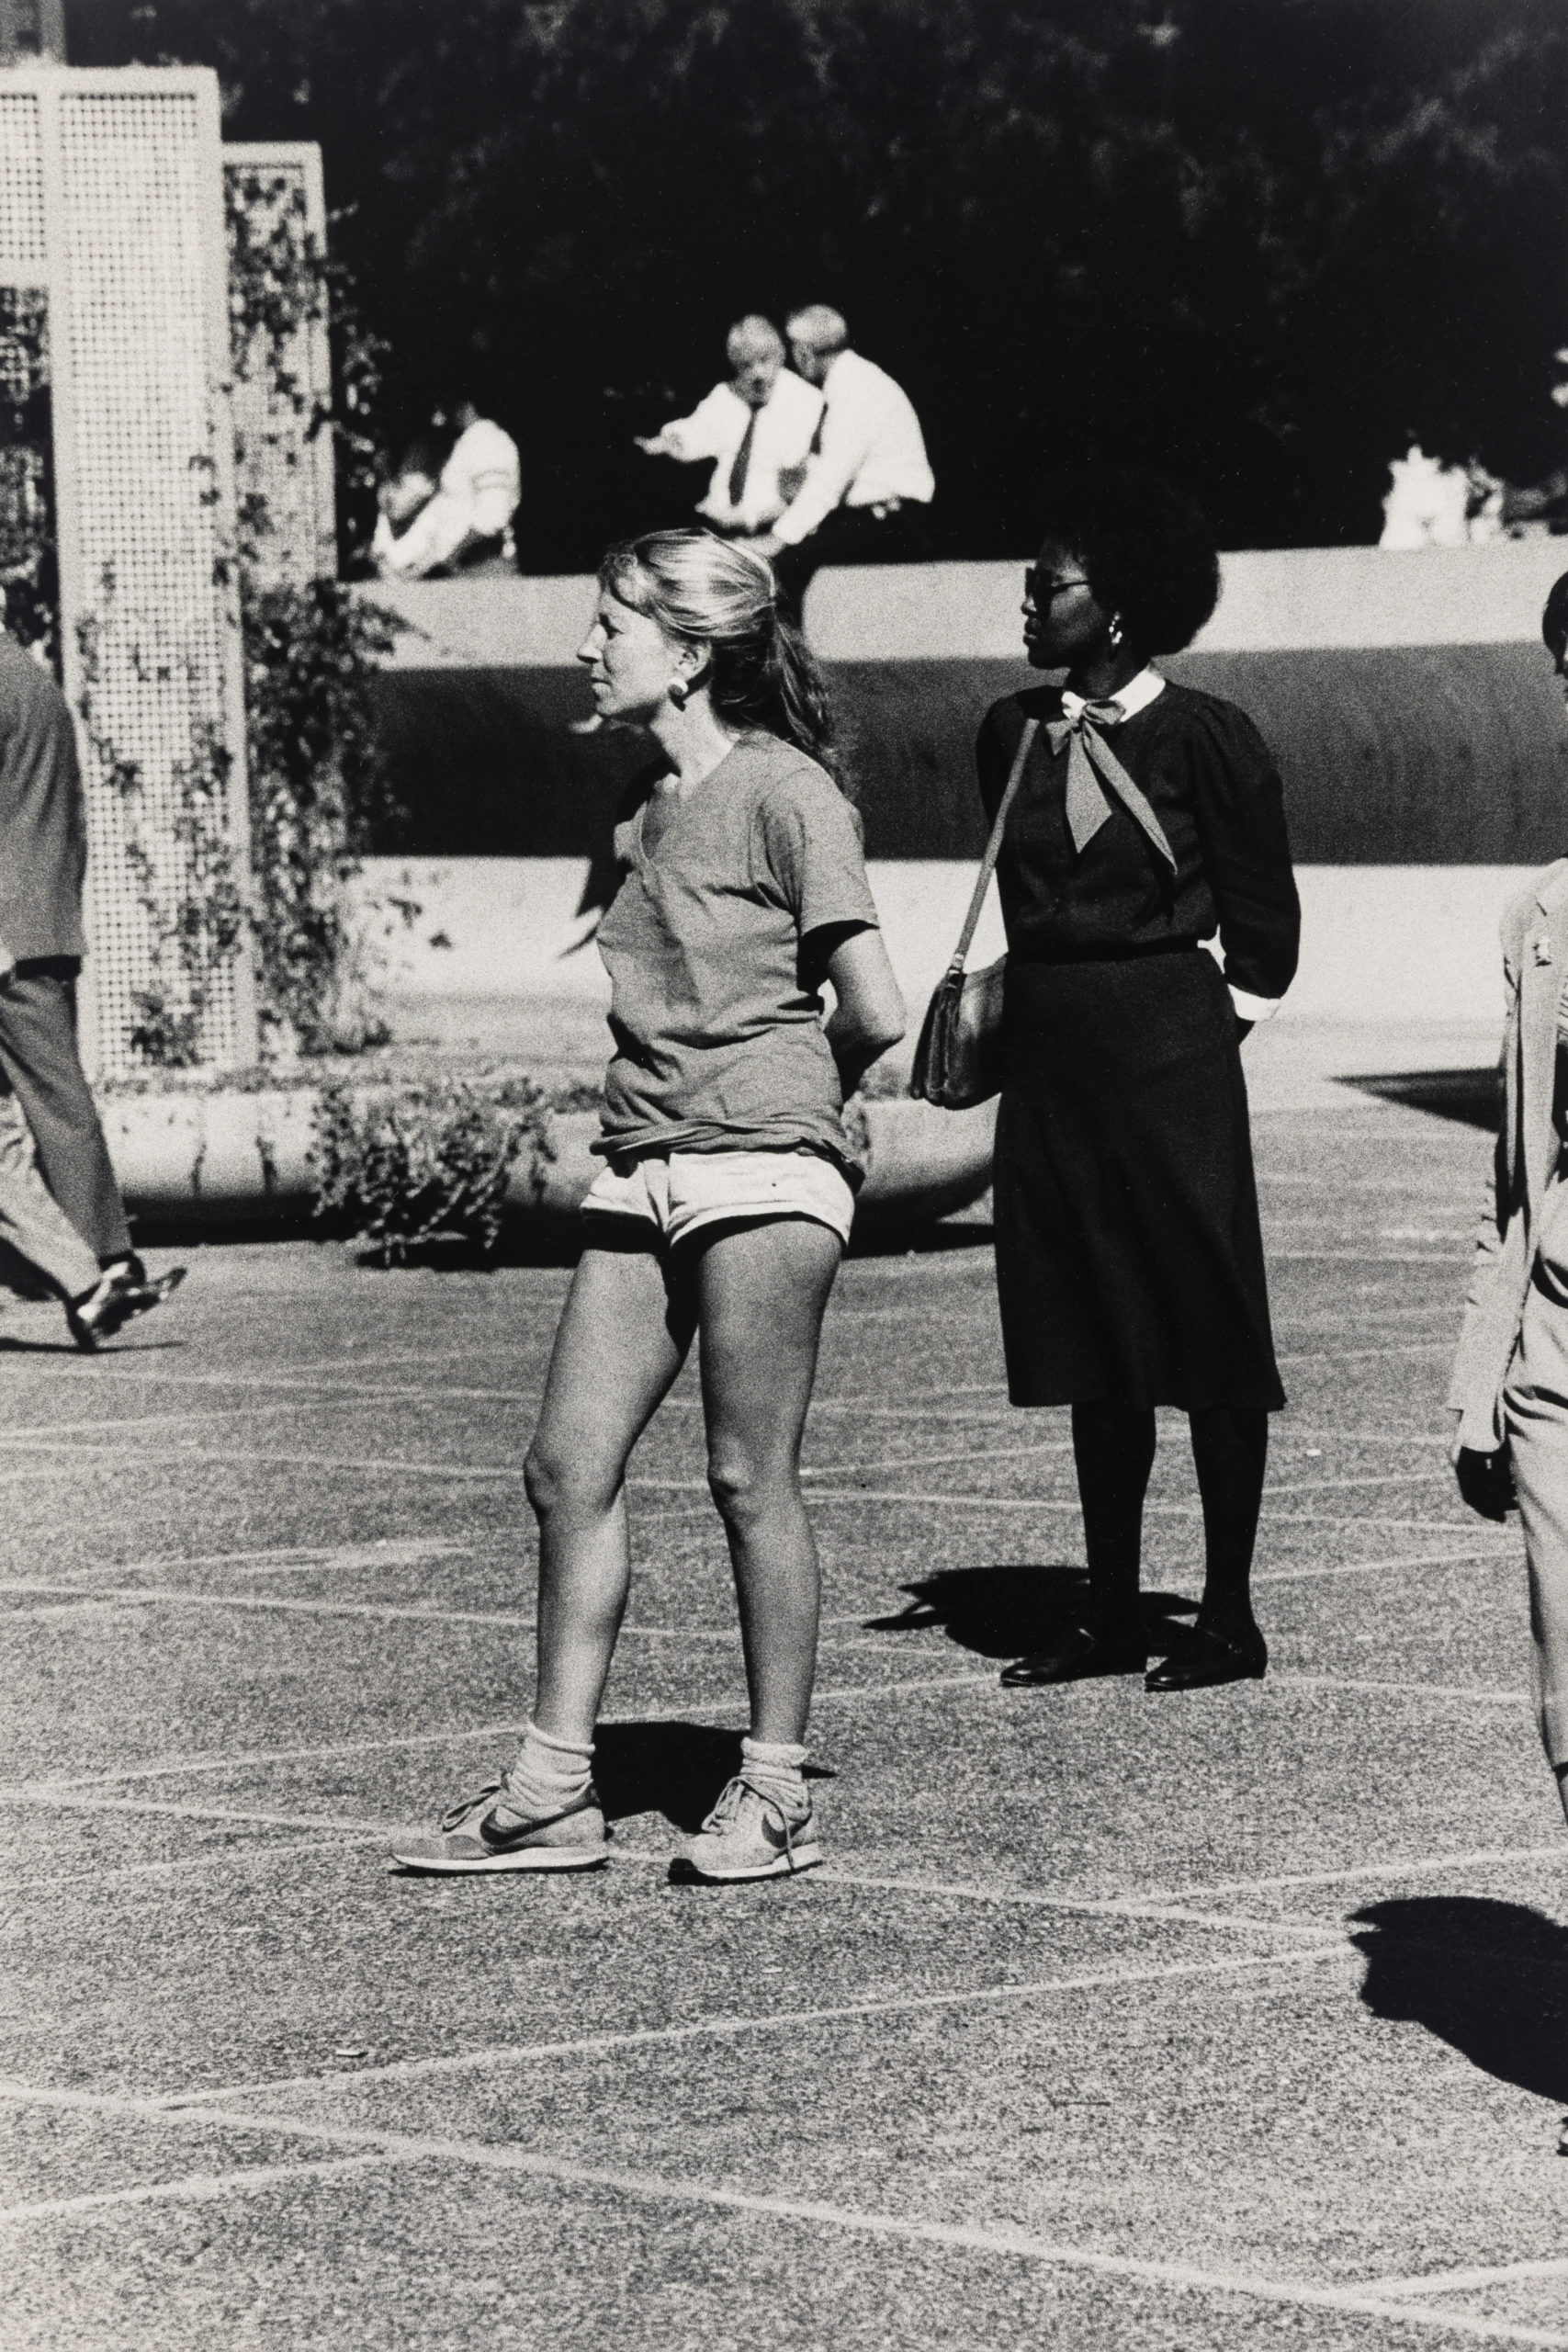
(958, 1062)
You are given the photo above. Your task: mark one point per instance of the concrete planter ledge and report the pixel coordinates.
(200, 1162)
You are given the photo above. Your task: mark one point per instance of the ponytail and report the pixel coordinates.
(721, 595)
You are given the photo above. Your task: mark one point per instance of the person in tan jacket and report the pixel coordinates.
(1509, 1385)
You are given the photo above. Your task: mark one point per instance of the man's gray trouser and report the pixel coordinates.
(30, 1224)
(38, 1058)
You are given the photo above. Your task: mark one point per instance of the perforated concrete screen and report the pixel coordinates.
(111, 201)
(283, 447)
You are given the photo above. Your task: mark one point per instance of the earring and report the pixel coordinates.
(678, 694)
(1115, 629)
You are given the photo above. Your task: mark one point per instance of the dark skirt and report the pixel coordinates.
(1128, 1259)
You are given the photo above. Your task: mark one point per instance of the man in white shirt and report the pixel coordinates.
(868, 481)
(466, 525)
(756, 428)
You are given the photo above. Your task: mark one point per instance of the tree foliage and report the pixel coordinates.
(1249, 242)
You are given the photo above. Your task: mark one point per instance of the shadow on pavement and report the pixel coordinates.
(10, 1344)
(1005, 1611)
(1490, 1979)
(675, 1769)
(1473, 1097)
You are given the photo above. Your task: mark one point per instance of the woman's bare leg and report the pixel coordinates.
(624, 1335)
(762, 1291)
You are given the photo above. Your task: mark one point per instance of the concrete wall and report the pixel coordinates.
(1406, 695)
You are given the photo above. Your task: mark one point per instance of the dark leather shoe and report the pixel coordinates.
(1074, 1658)
(123, 1291)
(1206, 1658)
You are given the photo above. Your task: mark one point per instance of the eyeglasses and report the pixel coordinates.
(1037, 591)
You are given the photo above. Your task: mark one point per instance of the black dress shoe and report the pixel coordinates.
(1206, 1658)
(1076, 1658)
(122, 1290)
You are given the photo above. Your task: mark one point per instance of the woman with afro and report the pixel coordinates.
(1148, 818)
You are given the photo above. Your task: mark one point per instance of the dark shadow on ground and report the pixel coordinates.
(1473, 1097)
(10, 1344)
(1490, 1979)
(677, 1770)
(1005, 1611)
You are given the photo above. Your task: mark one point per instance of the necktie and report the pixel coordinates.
(741, 467)
(1093, 769)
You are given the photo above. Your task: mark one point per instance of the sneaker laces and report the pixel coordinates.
(466, 1805)
(733, 1796)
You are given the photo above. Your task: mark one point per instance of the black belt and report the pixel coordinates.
(1119, 951)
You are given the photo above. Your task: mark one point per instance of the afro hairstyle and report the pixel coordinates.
(1146, 549)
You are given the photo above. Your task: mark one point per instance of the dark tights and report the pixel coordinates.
(1113, 1446)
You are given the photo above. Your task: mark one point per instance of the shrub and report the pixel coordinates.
(407, 1170)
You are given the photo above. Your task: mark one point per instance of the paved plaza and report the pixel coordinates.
(1235, 2018)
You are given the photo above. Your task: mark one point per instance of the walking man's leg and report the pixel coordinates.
(33, 1227)
(40, 1057)
(38, 1054)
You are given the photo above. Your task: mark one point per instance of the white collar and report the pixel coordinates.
(1135, 695)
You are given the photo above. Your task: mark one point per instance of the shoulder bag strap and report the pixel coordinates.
(993, 847)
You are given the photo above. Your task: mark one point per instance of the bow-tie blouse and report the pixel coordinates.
(1208, 776)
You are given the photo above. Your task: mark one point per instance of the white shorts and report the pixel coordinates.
(678, 1193)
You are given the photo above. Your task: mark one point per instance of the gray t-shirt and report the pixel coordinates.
(719, 1043)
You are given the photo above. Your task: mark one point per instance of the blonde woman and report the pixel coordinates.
(727, 1194)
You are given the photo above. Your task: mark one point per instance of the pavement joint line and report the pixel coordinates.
(1461, 1691)
(289, 1604)
(66, 1369)
(392, 1612)
(1158, 1910)
(1030, 1452)
(732, 2026)
(199, 2188)
(208, 1456)
(294, 1559)
(990, 2240)
(1371, 1479)
(1367, 1258)
(1398, 1560)
(960, 1501)
(55, 1791)
(176, 1767)
(210, 1858)
(1359, 1355)
(21, 1435)
(1395, 1866)
(1456, 2282)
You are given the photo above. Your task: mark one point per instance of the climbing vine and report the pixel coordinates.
(181, 859)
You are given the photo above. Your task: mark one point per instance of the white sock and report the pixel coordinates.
(775, 1767)
(548, 1775)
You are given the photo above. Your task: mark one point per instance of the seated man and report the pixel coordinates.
(466, 525)
(865, 488)
(755, 429)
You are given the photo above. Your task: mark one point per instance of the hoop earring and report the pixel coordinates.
(1115, 629)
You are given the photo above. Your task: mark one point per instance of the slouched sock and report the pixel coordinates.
(776, 1769)
(548, 1774)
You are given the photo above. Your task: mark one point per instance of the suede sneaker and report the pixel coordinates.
(483, 1833)
(750, 1834)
